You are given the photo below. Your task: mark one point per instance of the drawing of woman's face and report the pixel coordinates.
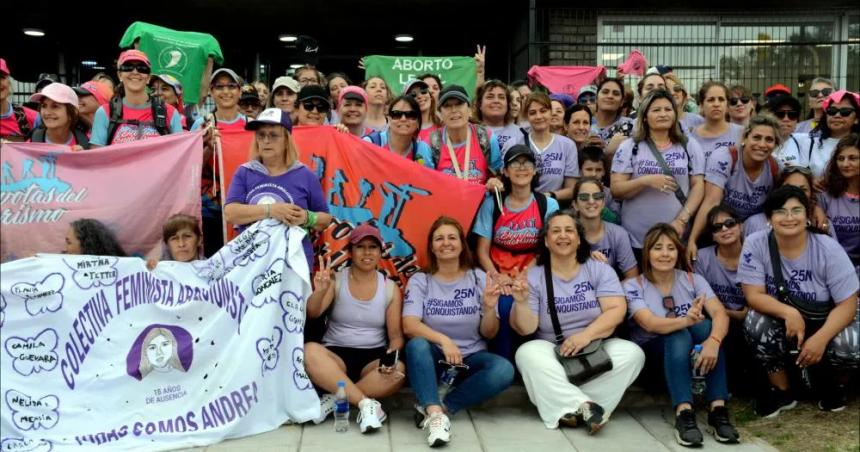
(159, 350)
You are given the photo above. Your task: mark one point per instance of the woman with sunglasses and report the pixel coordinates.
(611, 125)
(363, 326)
(841, 196)
(589, 304)
(786, 109)
(671, 310)
(716, 132)
(841, 117)
(274, 183)
(688, 120)
(378, 96)
(819, 89)
(430, 121)
(814, 315)
(404, 116)
(740, 177)
(312, 106)
(741, 105)
(449, 312)
(800, 177)
(589, 200)
(136, 120)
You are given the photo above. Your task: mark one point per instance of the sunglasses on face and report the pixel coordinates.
(586, 196)
(141, 68)
(321, 107)
(791, 114)
(844, 111)
(418, 92)
(398, 114)
(743, 99)
(230, 86)
(728, 224)
(669, 304)
(820, 92)
(587, 99)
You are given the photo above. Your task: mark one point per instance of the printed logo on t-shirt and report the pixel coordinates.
(748, 257)
(269, 194)
(582, 299)
(127, 133)
(521, 234)
(173, 58)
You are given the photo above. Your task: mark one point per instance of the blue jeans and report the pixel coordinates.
(488, 375)
(674, 351)
(503, 343)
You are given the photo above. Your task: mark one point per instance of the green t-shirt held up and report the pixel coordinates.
(182, 54)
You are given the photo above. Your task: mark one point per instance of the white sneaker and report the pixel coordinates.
(326, 408)
(370, 415)
(438, 429)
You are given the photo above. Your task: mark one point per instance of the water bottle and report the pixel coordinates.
(446, 381)
(698, 385)
(341, 409)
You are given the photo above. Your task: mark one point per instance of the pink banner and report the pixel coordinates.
(565, 79)
(132, 188)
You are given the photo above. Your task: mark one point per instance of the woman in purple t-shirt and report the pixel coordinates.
(841, 197)
(819, 279)
(667, 306)
(589, 304)
(449, 312)
(610, 239)
(716, 132)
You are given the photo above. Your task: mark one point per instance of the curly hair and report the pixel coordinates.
(96, 239)
(835, 183)
(583, 251)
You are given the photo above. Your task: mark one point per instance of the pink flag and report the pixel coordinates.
(565, 79)
(635, 64)
(132, 188)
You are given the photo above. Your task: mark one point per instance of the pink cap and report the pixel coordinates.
(101, 91)
(3, 68)
(364, 231)
(837, 96)
(354, 92)
(133, 55)
(57, 92)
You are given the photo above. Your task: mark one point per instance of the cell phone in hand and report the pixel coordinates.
(390, 359)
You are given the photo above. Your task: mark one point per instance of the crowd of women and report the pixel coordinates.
(705, 241)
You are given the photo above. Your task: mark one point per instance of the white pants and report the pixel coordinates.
(552, 393)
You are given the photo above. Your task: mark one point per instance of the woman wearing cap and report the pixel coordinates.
(739, 177)
(841, 117)
(588, 97)
(364, 325)
(61, 122)
(815, 313)
(249, 102)
(312, 106)
(274, 184)
(688, 121)
(638, 178)
(285, 91)
(133, 109)
(667, 307)
(493, 109)
(91, 96)
(716, 132)
(741, 105)
(169, 90)
(449, 312)
(402, 134)
(430, 121)
(840, 198)
(16, 121)
(352, 110)
(589, 200)
(378, 95)
(787, 111)
(610, 125)
(589, 304)
(557, 163)
(225, 88)
(434, 85)
(819, 89)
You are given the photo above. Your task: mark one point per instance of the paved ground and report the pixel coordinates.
(508, 424)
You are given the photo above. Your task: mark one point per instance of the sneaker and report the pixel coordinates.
(326, 408)
(833, 400)
(687, 433)
(720, 427)
(438, 429)
(591, 415)
(773, 402)
(370, 415)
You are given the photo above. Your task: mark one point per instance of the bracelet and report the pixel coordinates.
(268, 210)
(719, 342)
(311, 220)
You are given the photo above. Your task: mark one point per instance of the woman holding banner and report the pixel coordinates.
(402, 136)
(274, 183)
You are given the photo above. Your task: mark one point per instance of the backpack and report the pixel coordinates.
(159, 115)
(38, 136)
(771, 163)
(376, 138)
(540, 198)
(483, 140)
(21, 119)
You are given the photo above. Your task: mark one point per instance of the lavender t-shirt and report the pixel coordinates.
(739, 192)
(615, 245)
(252, 185)
(650, 206)
(722, 280)
(642, 294)
(555, 162)
(576, 300)
(821, 273)
(506, 133)
(690, 121)
(357, 323)
(728, 139)
(450, 308)
(844, 214)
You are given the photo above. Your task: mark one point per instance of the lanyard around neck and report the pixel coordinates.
(464, 174)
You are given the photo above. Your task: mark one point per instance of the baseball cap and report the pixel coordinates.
(413, 83)
(287, 82)
(100, 91)
(777, 89)
(587, 89)
(453, 92)
(228, 72)
(314, 92)
(271, 116)
(363, 231)
(3, 68)
(517, 151)
(565, 99)
(352, 92)
(57, 92)
(44, 80)
(133, 55)
(170, 80)
(249, 94)
(783, 99)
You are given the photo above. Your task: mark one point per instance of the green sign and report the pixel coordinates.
(397, 70)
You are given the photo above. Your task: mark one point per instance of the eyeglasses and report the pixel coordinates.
(270, 136)
(398, 114)
(586, 196)
(418, 91)
(793, 212)
(223, 86)
(728, 224)
(321, 107)
(820, 92)
(141, 68)
(669, 304)
(587, 99)
(792, 114)
(743, 99)
(521, 165)
(844, 111)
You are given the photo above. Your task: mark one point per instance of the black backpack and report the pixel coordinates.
(159, 115)
(483, 140)
(38, 136)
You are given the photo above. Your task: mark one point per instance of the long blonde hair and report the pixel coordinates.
(291, 151)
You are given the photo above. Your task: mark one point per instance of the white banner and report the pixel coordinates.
(101, 354)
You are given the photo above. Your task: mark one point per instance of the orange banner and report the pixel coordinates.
(363, 182)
